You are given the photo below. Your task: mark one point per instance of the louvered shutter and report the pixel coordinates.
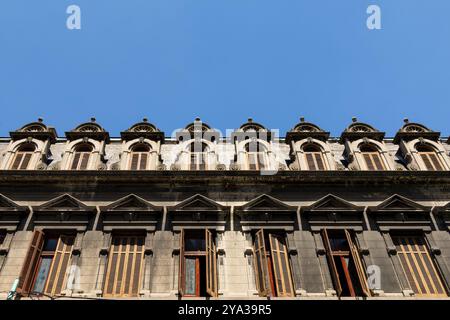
(30, 264)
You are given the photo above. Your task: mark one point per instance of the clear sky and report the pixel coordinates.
(225, 61)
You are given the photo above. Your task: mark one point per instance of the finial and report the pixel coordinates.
(145, 119)
(406, 120)
(250, 120)
(302, 119)
(93, 119)
(40, 120)
(354, 119)
(197, 119)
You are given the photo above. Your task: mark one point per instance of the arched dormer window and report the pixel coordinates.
(139, 156)
(23, 156)
(314, 157)
(429, 158)
(372, 158)
(81, 155)
(198, 156)
(256, 156)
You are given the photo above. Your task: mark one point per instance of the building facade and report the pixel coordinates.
(250, 216)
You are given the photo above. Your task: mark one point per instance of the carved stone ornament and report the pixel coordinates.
(294, 167)
(234, 167)
(115, 166)
(102, 166)
(221, 167)
(41, 166)
(161, 167)
(55, 166)
(175, 167)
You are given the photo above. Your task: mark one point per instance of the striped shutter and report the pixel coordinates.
(211, 265)
(84, 161)
(435, 161)
(331, 263)
(369, 163)
(358, 265)
(25, 161)
(76, 159)
(281, 266)
(58, 271)
(143, 161)
(30, 264)
(181, 270)
(134, 161)
(260, 264)
(17, 161)
(319, 161)
(310, 161)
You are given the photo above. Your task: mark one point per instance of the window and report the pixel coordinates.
(46, 263)
(199, 155)
(81, 157)
(23, 156)
(272, 265)
(125, 266)
(256, 156)
(430, 158)
(314, 158)
(418, 265)
(347, 271)
(198, 265)
(139, 157)
(372, 158)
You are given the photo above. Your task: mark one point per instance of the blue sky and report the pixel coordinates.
(225, 61)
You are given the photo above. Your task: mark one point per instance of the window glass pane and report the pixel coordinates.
(42, 275)
(194, 240)
(50, 244)
(338, 241)
(190, 276)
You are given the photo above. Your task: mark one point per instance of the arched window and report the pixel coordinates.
(198, 156)
(256, 156)
(372, 157)
(23, 156)
(314, 157)
(139, 156)
(81, 157)
(430, 158)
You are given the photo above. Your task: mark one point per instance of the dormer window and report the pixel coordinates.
(256, 156)
(81, 157)
(314, 158)
(23, 156)
(139, 157)
(198, 156)
(429, 158)
(372, 158)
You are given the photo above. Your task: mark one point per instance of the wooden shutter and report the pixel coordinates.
(260, 264)
(76, 159)
(211, 265)
(281, 266)
(125, 266)
(58, 270)
(30, 264)
(319, 161)
(181, 271)
(25, 161)
(358, 265)
(427, 161)
(134, 161)
(310, 161)
(331, 263)
(17, 161)
(84, 161)
(369, 163)
(377, 161)
(435, 161)
(143, 161)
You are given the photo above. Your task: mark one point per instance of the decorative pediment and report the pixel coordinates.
(143, 129)
(90, 130)
(304, 130)
(332, 203)
(131, 202)
(266, 203)
(358, 130)
(6, 204)
(64, 202)
(399, 203)
(249, 130)
(37, 130)
(411, 130)
(197, 202)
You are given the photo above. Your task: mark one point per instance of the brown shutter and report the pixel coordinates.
(358, 265)
(25, 161)
(310, 161)
(181, 271)
(434, 159)
(143, 162)
(76, 159)
(61, 260)
(30, 264)
(331, 263)
(84, 161)
(260, 261)
(319, 160)
(17, 160)
(377, 161)
(369, 163)
(427, 162)
(281, 266)
(134, 161)
(211, 265)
